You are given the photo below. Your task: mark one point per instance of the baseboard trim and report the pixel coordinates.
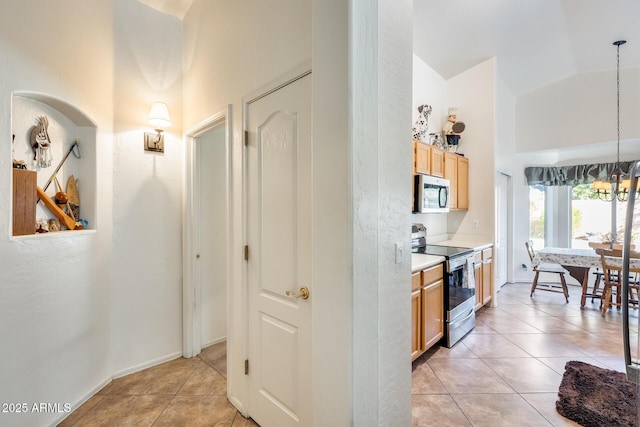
(148, 364)
(107, 380)
(238, 404)
(82, 401)
(214, 342)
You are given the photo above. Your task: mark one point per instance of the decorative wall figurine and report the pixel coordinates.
(421, 126)
(452, 129)
(40, 143)
(451, 119)
(42, 226)
(53, 225)
(436, 140)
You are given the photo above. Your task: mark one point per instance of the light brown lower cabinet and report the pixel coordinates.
(483, 274)
(427, 309)
(416, 330)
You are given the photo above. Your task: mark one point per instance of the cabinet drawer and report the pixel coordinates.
(432, 274)
(487, 253)
(416, 280)
(477, 257)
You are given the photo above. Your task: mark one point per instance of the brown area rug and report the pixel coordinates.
(597, 397)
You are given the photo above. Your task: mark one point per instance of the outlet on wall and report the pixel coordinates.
(475, 223)
(399, 252)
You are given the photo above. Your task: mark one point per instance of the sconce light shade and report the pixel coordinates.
(159, 115)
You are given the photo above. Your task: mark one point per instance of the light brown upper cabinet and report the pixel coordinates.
(456, 170)
(427, 159)
(421, 158)
(437, 162)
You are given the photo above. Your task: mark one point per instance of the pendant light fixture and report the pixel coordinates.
(620, 189)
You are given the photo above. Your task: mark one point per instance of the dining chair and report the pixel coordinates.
(596, 286)
(547, 268)
(611, 272)
(598, 273)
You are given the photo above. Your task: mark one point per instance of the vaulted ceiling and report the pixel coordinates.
(536, 42)
(177, 8)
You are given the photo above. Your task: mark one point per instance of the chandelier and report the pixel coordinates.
(620, 186)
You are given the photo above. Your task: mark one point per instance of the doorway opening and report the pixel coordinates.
(207, 240)
(504, 235)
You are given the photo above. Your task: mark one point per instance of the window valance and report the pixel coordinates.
(573, 175)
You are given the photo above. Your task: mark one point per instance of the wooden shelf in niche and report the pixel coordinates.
(66, 124)
(24, 202)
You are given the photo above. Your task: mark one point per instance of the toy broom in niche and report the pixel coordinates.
(68, 219)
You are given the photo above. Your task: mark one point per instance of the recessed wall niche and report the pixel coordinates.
(36, 164)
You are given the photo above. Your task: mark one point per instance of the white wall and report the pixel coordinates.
(430, 88)
(55, 288)
(332, 317)
(381, 81)
(473, 92)
(262, 51)
(146, 322)
(505, 163)
(69, 327)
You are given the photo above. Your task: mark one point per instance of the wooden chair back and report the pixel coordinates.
(612, 259)
(530, 251)
(612, 271)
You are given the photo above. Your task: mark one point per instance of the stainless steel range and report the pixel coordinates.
(459, 289)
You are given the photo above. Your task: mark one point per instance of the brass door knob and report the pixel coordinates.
(302, 293)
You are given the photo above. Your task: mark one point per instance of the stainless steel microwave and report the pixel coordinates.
(430, 194)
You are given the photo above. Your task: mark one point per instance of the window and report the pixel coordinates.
(590, 217)
(536, 215)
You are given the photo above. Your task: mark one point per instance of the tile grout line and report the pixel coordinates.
(582, 322)
(520, 394)
(173, 397)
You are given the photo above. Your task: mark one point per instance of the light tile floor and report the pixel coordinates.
(507, 371)
(182, 392)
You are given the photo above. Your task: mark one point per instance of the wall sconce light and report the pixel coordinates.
(159, 118)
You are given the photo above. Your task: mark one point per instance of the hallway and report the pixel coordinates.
(182, 392)
(506, 372)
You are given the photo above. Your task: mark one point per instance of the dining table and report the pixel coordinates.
(577, 262)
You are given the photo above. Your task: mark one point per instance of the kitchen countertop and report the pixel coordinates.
(422, 261)
(477, 243)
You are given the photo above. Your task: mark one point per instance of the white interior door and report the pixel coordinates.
(279, 240)
(213, 225)
(502, 239)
